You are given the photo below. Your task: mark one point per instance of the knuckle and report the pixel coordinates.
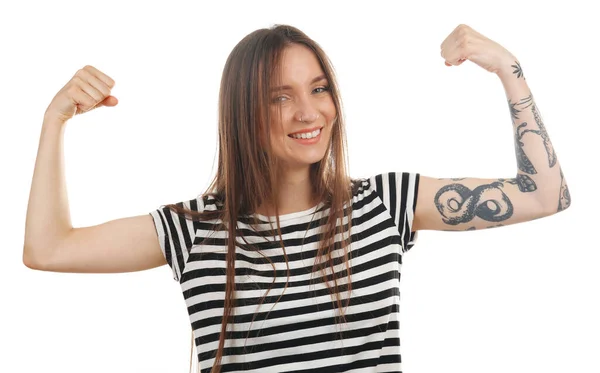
(72, 91)
(105, 92)
(81, 73)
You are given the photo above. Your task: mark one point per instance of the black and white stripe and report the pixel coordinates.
(397, 191)
(297, 331)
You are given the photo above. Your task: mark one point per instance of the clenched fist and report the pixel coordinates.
(88, 89)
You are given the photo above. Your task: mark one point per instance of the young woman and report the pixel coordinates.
(310, 280)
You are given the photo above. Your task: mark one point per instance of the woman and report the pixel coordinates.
(317, 255)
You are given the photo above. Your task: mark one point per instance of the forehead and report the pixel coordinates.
(299, 63)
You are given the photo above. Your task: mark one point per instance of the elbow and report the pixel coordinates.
(556, 205)
(32, 260)
(28, 259)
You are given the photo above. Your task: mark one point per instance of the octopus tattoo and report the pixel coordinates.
(524, 182)
(459, 204)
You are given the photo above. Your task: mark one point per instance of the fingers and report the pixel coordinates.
(93, 87)
(100, 75)
(455, 52)
(454, 47)
(87, 89)
(83, 101)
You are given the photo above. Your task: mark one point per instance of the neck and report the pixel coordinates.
(295, 193)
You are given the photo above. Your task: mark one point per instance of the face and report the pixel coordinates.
(306, 106)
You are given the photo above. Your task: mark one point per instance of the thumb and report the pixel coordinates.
(108, 101)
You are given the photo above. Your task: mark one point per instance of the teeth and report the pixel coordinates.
(308, 135)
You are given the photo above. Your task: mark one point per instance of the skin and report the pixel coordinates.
(314, 104)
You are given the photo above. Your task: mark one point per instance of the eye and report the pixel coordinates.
(279, 99)
(326, 88)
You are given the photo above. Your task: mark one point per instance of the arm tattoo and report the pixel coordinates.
(518, 70)
(523, 161)
(542, 132)
(524, 182)
(459, 204)
(564, 199)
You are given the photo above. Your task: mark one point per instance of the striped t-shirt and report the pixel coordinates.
(299, 333)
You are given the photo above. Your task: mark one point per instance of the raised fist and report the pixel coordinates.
(88, 89)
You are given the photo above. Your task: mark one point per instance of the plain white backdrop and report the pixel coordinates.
(522, 298)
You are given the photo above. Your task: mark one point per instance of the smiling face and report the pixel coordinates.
(306, 106)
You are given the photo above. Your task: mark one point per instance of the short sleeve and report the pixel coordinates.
(176, 234)
(398, 192)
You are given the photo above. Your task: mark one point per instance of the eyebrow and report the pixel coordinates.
(284, 87)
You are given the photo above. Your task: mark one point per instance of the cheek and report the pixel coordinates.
(276, 133)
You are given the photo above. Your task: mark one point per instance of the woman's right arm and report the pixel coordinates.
(51, 243)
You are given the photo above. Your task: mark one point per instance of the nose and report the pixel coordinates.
(306, 118)
(306, 112)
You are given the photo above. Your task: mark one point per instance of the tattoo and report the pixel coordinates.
(459, 204)
(523, 162)
(518, 70)
(547, 144)
(514, 112)
(564, 198)
(452, 178)
(524, 182)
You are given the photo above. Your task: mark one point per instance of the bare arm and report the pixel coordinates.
(51, 243)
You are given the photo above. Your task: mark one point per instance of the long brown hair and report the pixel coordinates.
(247, 171)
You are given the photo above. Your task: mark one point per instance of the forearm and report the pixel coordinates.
(48, 218)
(539, 171)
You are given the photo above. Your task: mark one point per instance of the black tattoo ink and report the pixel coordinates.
(514, 112)
(524, 182)
(564, 198)
(459, 204)
(523, 162)
(471, 229)
(547, 144)
(452, 178)
(518, 70)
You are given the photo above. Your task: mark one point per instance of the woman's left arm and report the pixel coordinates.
(539, 188)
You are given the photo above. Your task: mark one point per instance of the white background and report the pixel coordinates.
(522, 298)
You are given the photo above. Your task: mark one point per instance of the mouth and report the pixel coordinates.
(307, 138)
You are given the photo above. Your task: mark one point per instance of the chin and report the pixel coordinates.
(296, 162)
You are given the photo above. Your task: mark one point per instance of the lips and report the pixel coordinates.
(308, 130)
